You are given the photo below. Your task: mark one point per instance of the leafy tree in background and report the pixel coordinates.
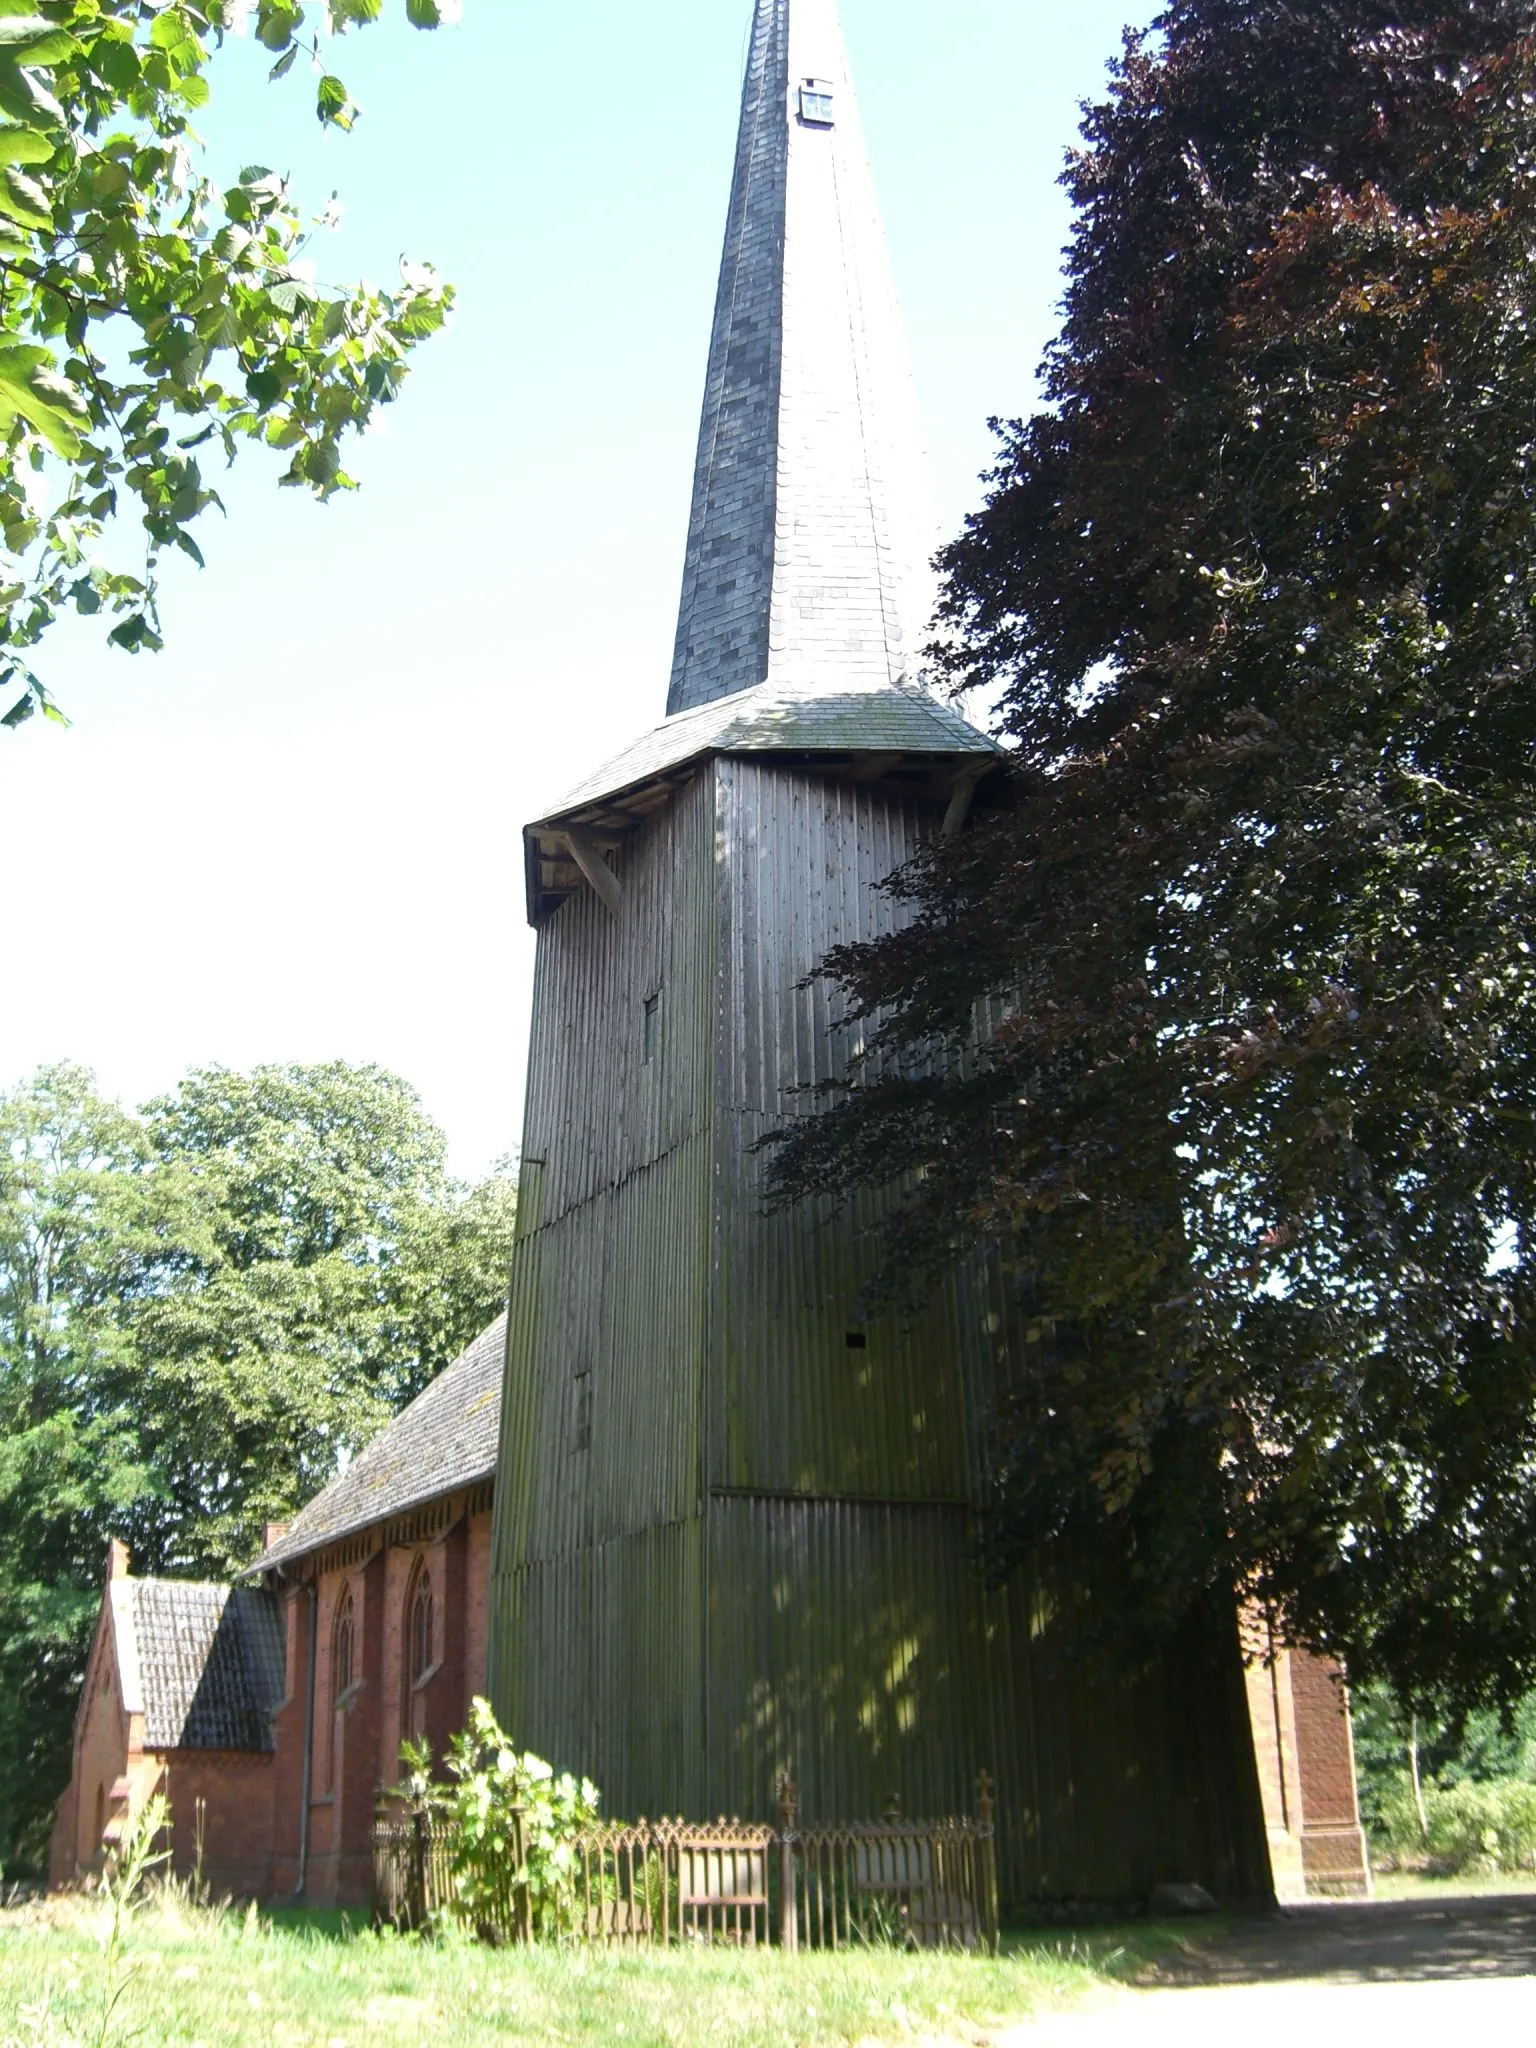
(150, 320)
(71, 1245)
(1251, 1110)
(316, 1268)
(202, 1308)
(1391, 1745)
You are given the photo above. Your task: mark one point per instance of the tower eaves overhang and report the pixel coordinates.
(892, 734)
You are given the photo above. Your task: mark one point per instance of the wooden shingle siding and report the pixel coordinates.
(793, 1407)
(597, 1561)
(598, 1111)
(844, 1642)
(621, 1302)
(1110, 1784)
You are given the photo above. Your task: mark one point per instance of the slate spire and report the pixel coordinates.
(809, 536)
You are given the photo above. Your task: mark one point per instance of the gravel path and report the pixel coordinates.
(1377, 1942)
(1474, 2012)
(1454, 1973)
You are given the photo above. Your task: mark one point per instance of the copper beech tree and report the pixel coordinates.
(1250, 1118)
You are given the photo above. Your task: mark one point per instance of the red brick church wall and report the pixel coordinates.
(221, 1819)
(246, 1809)
(358, 1728)
(1304, 1748)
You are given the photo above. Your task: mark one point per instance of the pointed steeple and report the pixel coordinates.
(807, 546)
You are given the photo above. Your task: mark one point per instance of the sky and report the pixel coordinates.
(295, 834)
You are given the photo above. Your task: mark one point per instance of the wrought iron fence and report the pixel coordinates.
(413, 1878)
(666, 1881)
(919, 1884)
(922, 1884)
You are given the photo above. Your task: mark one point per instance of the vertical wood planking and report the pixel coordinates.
(795, 1408)
(729, 1543)
(597, 1581)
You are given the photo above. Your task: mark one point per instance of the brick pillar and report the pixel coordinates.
(1304, 1748)
(288, 1729)
(1334, 1858)
(356, 1778)
(1274, 1749)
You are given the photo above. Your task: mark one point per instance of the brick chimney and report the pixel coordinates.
(119, 1560)
(272, 1533)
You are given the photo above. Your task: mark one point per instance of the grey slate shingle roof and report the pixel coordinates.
(778, 718)
(209, 1664)
(446, 1439)
(883, 727)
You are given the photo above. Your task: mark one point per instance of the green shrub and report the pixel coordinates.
(1394, 1821)
(1489, 1826)
(1471, 1826)
(501, 1801)
(1485, 1747)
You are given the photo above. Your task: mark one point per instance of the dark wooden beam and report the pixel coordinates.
(965, 786)
(588, 856)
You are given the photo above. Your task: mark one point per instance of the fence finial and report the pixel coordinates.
(984, 1799)
(789, 1805)
(892, 1808)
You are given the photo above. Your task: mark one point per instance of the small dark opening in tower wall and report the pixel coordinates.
(581, 1412)
(652, 1030)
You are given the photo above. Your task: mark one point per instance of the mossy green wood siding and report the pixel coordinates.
(598, 1664)
(597, 1588)
(765, 1559)
(792, 1408)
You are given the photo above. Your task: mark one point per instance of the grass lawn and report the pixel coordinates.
(225, 1978)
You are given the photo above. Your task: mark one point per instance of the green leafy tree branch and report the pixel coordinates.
(150, 319)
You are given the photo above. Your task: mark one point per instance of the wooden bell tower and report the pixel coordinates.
(734, 1528)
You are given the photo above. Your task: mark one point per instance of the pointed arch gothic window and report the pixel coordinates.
(343, 1676)
(419, 1625)
(420, 1659)
(340, 1649)
(342, 1635)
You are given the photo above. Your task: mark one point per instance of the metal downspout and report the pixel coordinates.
(309, 1742)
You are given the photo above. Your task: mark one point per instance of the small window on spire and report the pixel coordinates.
(816, 102)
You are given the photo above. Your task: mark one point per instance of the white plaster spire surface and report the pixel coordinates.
(809, 537)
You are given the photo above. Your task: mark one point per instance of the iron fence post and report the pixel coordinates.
(984, 1828)
(418, 1901)
(382, 1901)
(789, 1809)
